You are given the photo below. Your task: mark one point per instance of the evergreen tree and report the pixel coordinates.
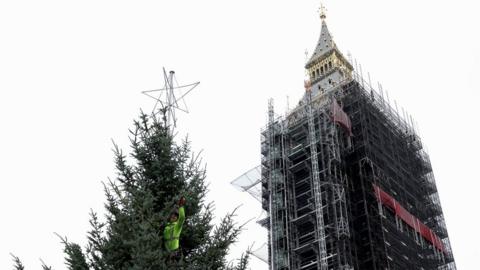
(18, 265)
(149, 183)
(45, 266)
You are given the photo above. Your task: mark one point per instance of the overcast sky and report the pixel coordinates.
(71, 73)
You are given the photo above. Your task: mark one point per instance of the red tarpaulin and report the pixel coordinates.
(341, 117)
(408, 218)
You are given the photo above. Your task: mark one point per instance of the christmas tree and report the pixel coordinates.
(149, 183)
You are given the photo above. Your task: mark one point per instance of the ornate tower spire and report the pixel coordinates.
(327, 66)
(325, 43)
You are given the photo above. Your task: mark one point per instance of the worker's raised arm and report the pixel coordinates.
(181, 214)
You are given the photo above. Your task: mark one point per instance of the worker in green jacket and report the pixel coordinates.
(172, 231)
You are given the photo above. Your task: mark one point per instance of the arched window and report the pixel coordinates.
(321, 70)
(330, 64)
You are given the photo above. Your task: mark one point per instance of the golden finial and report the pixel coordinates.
(322, 12)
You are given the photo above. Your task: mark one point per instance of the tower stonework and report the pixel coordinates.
(346, 181)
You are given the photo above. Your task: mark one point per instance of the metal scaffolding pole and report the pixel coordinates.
(322, 246)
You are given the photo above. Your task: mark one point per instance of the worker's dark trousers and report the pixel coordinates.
(174, 257)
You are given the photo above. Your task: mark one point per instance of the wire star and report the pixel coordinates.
(168, 100)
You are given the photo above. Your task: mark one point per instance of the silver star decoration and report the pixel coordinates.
(171, 97)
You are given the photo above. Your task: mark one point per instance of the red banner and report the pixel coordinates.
(339, 116)
(408, 218)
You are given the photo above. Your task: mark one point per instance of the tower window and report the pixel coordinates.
(330, 64)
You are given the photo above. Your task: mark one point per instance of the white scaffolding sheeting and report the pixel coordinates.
(261, 253)
(250, 182)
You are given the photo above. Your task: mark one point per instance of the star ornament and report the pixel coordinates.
(171, 97)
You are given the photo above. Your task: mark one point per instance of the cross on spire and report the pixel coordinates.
(323, 12)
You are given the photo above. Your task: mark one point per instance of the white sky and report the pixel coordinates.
(71, 73)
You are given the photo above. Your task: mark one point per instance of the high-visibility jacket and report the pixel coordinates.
(172, 231)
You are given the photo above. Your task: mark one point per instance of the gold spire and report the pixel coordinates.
(322, 12)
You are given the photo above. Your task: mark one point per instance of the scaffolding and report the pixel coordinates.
(388, 153)
(318, 183)
(273, 167)
(317, 190)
